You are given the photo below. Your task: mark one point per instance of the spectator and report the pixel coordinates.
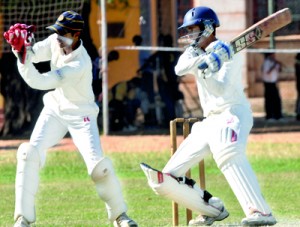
(145, 72)
(297, 72)
(132, 103)
(123, 105)
(97, 72)
(116, 106)
(168, 81)
(270, 73)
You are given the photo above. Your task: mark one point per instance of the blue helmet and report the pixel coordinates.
(197, 15)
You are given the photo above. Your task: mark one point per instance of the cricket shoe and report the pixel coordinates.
(259, 219)
(21, 222)
(124, 221)
(203, 220)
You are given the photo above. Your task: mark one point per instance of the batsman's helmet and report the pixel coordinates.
(202, 17)
(197, 15)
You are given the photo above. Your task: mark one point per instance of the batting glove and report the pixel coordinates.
(20, 37)
(216, 54)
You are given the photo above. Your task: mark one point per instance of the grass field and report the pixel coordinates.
(67, 197)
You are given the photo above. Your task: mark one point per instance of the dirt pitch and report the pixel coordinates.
(150, 143)
(286, 131)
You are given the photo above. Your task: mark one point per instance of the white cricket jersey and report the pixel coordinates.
(267, 75)
(70, 77)
(220, 91)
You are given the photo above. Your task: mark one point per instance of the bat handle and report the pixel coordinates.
(202, 66)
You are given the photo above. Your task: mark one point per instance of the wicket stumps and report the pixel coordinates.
(173, 134)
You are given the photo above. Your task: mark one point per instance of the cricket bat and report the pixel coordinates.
(258, 31)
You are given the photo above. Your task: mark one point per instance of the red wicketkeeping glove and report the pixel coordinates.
(20, 36)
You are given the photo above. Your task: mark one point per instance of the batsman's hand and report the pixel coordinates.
(20, 37)
(216, 54)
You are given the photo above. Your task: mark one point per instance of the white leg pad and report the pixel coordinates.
(27, 181)
(109, 188)
(165, 185)
(243, 182)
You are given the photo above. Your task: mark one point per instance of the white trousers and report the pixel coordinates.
(212, 136)
(224, 136)
(51, 127)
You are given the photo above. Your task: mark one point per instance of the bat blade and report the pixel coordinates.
(261, 29)
(258, 31)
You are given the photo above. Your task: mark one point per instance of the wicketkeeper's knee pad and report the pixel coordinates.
(186, 195)
(109, 188)
(102, 170)
(27, 180)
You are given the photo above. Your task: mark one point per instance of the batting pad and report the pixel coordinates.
(109, 188)
(167, 186)
(244, 184)
(27, 181)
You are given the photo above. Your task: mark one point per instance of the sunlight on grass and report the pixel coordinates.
(67, 196)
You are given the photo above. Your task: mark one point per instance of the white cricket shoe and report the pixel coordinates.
(203, 220)
(124, 221)
(21, 222)
(259, 219)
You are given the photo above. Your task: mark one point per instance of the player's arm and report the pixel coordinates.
(216, 54)
(188, 62)
(227, 76)
(42, 50)
(52, 79)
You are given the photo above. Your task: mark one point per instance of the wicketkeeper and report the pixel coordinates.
(68, 107)
(223, 133)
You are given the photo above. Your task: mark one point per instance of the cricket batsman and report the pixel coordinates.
(69, 106)
(223, 133)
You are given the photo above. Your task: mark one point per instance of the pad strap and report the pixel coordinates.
(185, 180)
(206, 196)
(191, 183)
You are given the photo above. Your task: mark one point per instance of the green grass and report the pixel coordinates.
(67, 197)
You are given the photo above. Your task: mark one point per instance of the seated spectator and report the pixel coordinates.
(132, 103)
(145, 72)
(97, 72)
(123, 105)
